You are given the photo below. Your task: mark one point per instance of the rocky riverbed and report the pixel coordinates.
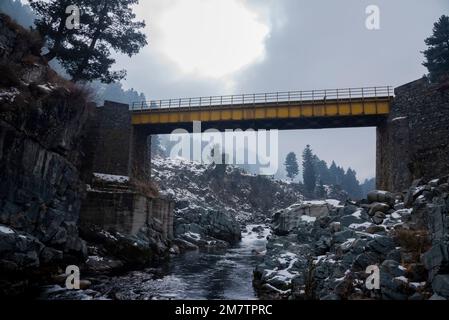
(216, 274)
(321, 250)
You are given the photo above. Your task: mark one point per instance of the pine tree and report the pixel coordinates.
(320, 191)
(351, 185)
(322, 171)
(309, 176)
(85, 52)
(333, 172)
(437, 53)
(291, 165)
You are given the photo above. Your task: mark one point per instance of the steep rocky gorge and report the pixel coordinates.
(54, 211)
(41, 127)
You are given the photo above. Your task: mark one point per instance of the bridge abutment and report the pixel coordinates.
(118, 147)
(413, 143)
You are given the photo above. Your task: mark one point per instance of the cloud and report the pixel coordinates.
(310, 45)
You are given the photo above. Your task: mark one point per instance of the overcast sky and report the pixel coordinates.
(212, 47)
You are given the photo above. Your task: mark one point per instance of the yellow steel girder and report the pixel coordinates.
(355, 107)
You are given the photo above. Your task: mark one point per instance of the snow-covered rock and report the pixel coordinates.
(287, 219)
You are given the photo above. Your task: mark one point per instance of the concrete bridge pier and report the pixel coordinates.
(140, 154)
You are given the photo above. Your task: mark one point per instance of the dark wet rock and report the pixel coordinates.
(416, 272)
(381, 196)
(382, 244)
(185, 246)
(102, 265)
(378, 207)
(258, 229)
(437, 297)
(436, 258)
(375, 229)
(379, 217)
(348, 220)
(440, 285)
(395, 255)
(343, 236)
(363, 260)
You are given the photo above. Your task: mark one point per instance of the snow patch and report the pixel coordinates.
(308, 219)
(111, 178)
(6, 230)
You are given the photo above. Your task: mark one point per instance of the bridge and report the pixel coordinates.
(411, 128)
(331, 108)
(314, 109)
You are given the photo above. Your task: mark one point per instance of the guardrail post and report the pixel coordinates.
(200, 101)
(363, 101)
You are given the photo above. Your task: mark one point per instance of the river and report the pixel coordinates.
(194, 275)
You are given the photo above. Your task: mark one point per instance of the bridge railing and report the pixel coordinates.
(273, 97)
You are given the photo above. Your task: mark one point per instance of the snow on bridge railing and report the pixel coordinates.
(273, 97)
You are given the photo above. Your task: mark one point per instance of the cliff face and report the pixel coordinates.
(41, 126)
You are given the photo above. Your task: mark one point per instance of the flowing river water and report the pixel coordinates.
(194, 275)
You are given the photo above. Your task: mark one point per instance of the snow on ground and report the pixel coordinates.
(308, 219)
(111, 178)
(284, 275)
(8, 95)
(332, 202)
(6, 230)
(195, 188)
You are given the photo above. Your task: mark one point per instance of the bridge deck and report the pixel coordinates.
(298, 109)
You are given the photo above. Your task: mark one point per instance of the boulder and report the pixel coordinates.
(346, 221)
(343, 236)
(284, 221)
(378, 206)
(435, 257)
(393, 283)
(363, 260)
(379, 217)
(381, 196)
(440, 285)
(381, 244)
(221, 225)
(335, 227)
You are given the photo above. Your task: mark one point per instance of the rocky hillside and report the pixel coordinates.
(41, 128)
(214, 201)
(322, 250)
